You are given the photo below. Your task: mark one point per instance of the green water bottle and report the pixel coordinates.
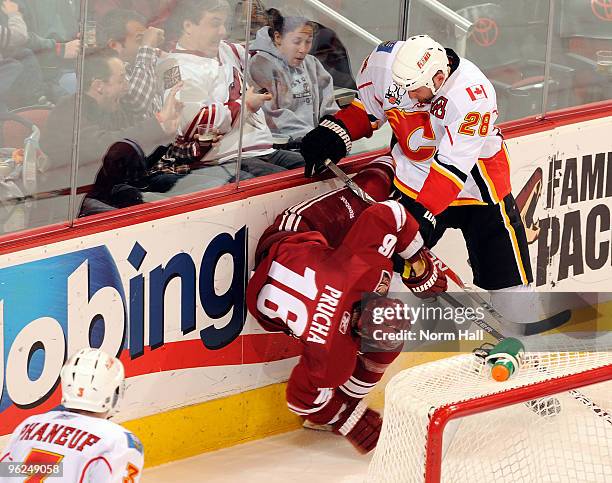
(505, 358)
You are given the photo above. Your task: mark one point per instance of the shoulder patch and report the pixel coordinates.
(386, 46)
(134, 442)
(476, 92)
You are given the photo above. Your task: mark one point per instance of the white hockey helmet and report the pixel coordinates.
(92, 381)
(417, 61)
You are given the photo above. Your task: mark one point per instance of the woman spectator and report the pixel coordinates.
(302, 90)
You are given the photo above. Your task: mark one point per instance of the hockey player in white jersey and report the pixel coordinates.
(452, 167)
(89, 447)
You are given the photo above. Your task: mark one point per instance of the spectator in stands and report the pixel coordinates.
(13, 34)
(27, 87)
(124, 31)
(53, 27)
(212, 71)
(103, 121)
(302, 90)
(331, 52)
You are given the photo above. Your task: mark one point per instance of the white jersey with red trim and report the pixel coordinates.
(90, 449)
(449, 135)
(211, 94)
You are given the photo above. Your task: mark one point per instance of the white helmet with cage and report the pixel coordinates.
(92, 381)
(417, 62)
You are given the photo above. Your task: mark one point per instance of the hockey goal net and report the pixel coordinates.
(449, 421)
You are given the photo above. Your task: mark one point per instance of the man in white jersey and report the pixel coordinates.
(89, 447)
(212, 72)
(452, 167)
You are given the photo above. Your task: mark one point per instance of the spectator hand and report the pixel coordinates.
(153, 37)
(170, 114)
(71, 49)
(254, 101)
(9, 7)
(216, 138)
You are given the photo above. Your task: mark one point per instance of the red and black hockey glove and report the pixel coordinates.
(330, 139)
(423, 276)
(360, 425)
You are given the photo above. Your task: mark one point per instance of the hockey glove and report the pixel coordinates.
(361, 426)
(330, 139)
(426, 221)
(423, 276)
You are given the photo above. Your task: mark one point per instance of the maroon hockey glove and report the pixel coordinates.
(423, 275)
(361, 426)
(330, 139)
(381, 324)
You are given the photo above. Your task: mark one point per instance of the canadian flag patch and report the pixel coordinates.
(476, 92)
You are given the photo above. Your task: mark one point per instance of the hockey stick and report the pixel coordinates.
(525, 329)
(350, 184)
(474, 296)
(355, 188)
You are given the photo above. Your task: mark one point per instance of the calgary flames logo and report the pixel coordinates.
(405, 124)
(602, 9)
(485, 32)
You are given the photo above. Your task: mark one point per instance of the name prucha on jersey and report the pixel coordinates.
(324, 314)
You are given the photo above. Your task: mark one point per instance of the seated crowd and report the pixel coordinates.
(163, 86)
(161, 96)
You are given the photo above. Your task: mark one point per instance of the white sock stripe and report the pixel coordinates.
(361, 383)
(352, 394)
(303, 411)
(350, 386)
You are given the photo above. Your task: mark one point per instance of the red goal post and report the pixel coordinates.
(490, 432)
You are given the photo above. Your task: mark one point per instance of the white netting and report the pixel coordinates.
(554, 439)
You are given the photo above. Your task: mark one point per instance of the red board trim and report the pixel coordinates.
(225, 194)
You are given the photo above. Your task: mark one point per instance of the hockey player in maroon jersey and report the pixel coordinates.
(452, 167)
(312, 269)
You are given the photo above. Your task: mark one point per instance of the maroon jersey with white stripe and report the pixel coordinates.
(305, 287)
(332, 213)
